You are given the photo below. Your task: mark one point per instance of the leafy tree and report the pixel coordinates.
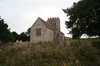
(5, 35)
(16, 36)
(84, 18)
(23, 36)
(28, 31)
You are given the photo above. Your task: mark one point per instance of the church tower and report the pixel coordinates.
(55, 22)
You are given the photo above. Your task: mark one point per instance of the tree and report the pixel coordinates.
(28, 31)
(84, 18)
(16, 36)
(5, 35)
(23, 36)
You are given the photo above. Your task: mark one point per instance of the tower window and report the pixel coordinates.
(38, 32)
(55, 24)
(58, 35)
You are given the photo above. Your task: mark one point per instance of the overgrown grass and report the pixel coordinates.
(79, 53)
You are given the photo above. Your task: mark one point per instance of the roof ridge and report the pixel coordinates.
(46, 24)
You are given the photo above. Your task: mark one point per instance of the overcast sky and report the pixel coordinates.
(21, 14)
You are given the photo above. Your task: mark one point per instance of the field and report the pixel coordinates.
(84, 52)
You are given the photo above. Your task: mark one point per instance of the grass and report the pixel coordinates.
(79, 53)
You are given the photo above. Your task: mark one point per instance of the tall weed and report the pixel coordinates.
(79, 53)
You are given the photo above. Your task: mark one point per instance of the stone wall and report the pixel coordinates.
(50, 35)
(58, 37)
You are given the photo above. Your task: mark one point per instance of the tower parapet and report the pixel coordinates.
(53, 18)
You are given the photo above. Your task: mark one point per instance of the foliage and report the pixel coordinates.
(23, 36)
(28, 31)
(5, 35)
(16, 36)
(84, 18)
(49, 54)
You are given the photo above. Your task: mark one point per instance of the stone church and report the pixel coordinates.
(46, 31)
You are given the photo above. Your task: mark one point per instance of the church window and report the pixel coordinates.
(38, 32)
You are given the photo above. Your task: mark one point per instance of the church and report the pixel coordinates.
(44, 31)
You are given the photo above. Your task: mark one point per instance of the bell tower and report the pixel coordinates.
(55, 22)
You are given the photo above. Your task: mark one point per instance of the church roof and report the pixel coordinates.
(49, 26)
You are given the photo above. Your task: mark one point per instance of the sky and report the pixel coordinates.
(21, 14)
